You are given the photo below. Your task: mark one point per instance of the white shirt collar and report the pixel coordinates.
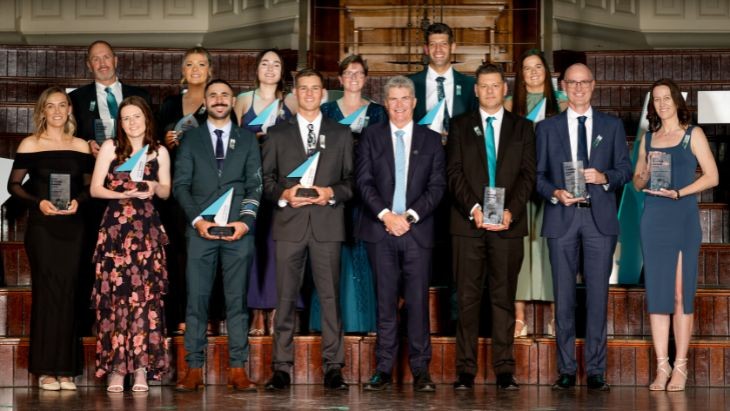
(226, 129)
(116, 86)
(497, 116)
(573, 115)
(408, 128)
(431, 74)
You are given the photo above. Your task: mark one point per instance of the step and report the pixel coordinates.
(630, 362)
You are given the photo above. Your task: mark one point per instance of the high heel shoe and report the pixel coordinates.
(49, 386)
(522, 332)
(680, 367)
(116, 383)
(140, 380)
(551, 328)
(662, 374)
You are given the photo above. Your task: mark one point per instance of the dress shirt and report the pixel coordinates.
(101, 99)
(304, 130)
(497, 127)
(573, 131)
(213, 139)
(432, 96)
(407, 140)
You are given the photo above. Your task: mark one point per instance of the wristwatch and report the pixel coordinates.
(410, 218)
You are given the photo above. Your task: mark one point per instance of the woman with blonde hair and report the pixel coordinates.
(59, 169)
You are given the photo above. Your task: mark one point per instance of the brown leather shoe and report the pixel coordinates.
(191, 381)
(238, 380)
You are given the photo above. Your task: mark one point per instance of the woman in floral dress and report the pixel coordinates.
(131, 273)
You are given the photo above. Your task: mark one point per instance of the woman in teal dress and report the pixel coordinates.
(357, 294)
(536, 99)
(670, 226)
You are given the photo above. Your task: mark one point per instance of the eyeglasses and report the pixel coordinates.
(353, 74)
(573, 83)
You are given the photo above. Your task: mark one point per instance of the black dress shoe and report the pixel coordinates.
(333, 380)
(378, 382)
(597, 382)
(564, 382)
(506, 381)
(464, 382)
(279, 381)
(422, 382)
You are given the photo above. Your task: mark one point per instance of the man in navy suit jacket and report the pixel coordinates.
(589, 223)
(400, 173)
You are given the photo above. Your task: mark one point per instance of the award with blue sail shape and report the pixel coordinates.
(357, 120)
(135, 166)
(220, 210)
(306, 173)
(434, 119)
(267, 118)
(538, 112)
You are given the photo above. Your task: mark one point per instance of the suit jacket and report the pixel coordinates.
(86, 109)
(468, 172)
(197, 183)
(609, 154)
(463, 100)
(375, 174)
(283, 151)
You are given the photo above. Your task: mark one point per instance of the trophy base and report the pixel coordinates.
(218, 231)
(61, 205)
(307, 193)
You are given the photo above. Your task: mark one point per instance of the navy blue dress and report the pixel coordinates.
(670, 227)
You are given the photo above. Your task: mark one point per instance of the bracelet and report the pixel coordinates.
(678, 196)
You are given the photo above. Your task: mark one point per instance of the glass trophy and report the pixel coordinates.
(575, 180)
(184, 124)
(493, 207)
(103, 129)
(660, 165)
(59, 190)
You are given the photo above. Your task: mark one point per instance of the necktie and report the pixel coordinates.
(220, 155)
(491, 152)
(111, 103)
(311, 140)
(582, 143)
(441, 96)
(399, 195)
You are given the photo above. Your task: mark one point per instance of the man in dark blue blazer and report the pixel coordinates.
(458, 88)
(588, 223)
(400, 174)
(90, 102)
(491, 252)
(212, 159)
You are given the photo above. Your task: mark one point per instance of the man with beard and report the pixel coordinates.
(212, 159)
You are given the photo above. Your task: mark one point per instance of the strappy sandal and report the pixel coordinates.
(140, 381)
(116, 383)
(522, 333)
(679, 364)
(662, 375)
(53, 385)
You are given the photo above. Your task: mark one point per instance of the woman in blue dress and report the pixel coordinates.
(670, 225)
(357, 295)
(258, 109)
(536, 99)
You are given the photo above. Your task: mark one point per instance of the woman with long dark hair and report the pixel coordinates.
(670, 225)
(131, 271)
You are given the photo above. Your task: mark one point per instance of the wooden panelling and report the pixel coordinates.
(15, 303)
(15, 264)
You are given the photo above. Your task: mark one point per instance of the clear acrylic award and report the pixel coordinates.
(575, 180)
(59, 190)
(660, 165)
(493, 207)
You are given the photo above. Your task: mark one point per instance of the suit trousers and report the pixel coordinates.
(597, 263)
(396, 262)
(291, 260)
(498, 261)
(236, 258)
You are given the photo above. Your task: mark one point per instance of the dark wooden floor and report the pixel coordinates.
(314, 397)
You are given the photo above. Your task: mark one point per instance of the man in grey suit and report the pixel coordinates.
(589, 223)
(308, 228)
(212, 159)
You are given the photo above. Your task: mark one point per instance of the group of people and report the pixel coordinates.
(364, 228)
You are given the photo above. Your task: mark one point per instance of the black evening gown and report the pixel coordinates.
(54, 248)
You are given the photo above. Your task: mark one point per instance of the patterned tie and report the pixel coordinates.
(491, 152)
(311, 140)
(399, 195)
(111, 102)
(220, 155)
(441, 96)
(582, 143)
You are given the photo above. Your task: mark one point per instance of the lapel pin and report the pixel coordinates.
(597, 141)
(231, 144)
(478, 131)
(92, 105)
(458, 89)
(322, 144)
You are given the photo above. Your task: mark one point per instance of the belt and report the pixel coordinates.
(583, 205)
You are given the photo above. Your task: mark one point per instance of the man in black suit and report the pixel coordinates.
(212, 159)
(589, 224)
(401, 179)
(440, 80)
(488, 147)
(308, 228)
(95, 105)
